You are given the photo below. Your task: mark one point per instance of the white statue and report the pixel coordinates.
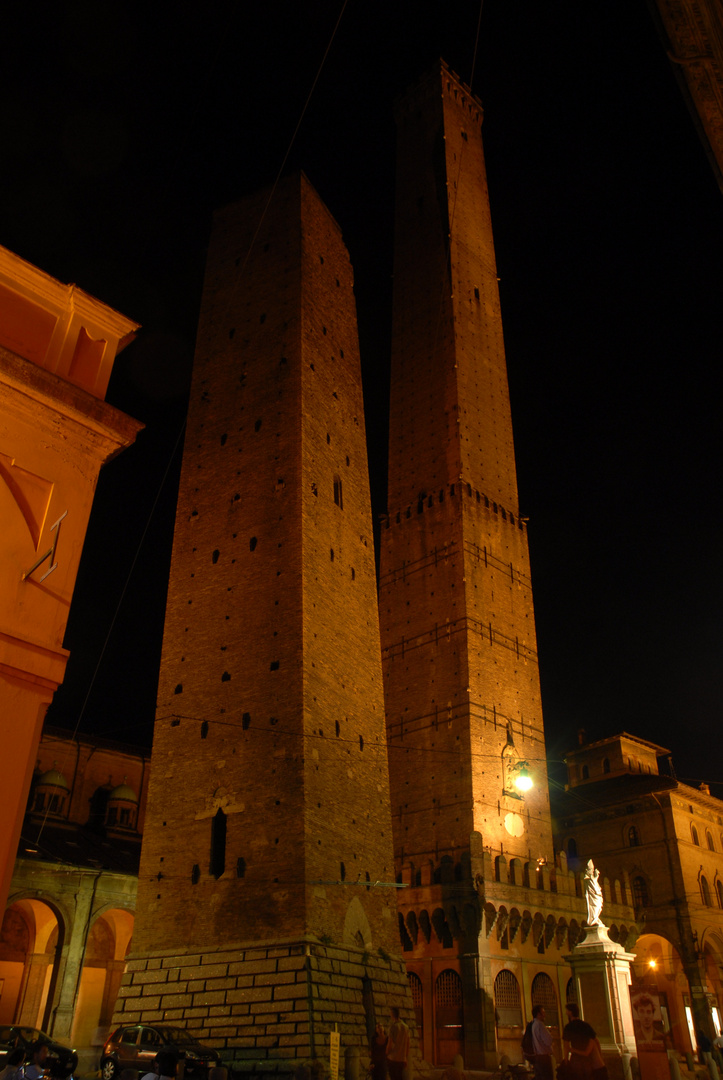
(593, 895)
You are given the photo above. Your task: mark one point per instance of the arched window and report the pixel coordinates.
(709, 841)
(570, 997)
(508, 1000)
(448, 1014)
(694, 835)
(719, 892)
(633, 836)
(585, 773)
(705, 891)
(606, 765)
(543, 993)
(572, 848)
(641, 896)
(448, 988)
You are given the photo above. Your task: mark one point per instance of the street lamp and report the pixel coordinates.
(523, 780)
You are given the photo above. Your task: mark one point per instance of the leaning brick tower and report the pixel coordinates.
(266, 905)
(462, 689)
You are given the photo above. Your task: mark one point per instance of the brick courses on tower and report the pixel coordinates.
(461, 676)
(260, 920)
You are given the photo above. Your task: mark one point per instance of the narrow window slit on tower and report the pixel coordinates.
(204, 729)
(331, 554)
(224, 437)
(195, 874)
(214, 557)
(218, 844)
(338, 728)
(338, 494)
(240, 867)
(274, 665)
(179, 689)
(245, 721)
(252, 543)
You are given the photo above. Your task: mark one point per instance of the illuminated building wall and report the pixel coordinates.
(666, 838)
(69, 920)
(57, 348)
(461, 679)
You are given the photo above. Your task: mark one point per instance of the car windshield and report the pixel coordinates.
(177, 1035)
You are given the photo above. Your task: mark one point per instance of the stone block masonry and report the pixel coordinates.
(265, 1007)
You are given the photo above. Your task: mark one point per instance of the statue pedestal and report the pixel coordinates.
(601, 974)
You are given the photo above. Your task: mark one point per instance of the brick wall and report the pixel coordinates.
(460, 653)
(269, 743)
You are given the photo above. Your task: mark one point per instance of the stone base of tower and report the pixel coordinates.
(267, 1008)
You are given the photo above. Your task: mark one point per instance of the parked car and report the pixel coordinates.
(13, 1036)
(136, 1046)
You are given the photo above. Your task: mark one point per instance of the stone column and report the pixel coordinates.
(72, 958)
(601, 970)
(480, 1043)
(113, 975)
(36, 970)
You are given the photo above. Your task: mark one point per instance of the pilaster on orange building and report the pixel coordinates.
(57, 348)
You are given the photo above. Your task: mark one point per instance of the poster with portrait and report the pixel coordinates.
(650, 1036)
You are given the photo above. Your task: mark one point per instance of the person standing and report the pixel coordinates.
(581, 1046)
(397, 1045)
(541, 1044)
(379, 1054)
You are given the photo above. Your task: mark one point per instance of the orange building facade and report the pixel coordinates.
(666, 838)
(57, 348)
(69, 920)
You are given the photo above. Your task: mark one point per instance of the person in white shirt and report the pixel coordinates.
(542, 1045)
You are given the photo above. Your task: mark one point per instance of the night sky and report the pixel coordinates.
(123, 126)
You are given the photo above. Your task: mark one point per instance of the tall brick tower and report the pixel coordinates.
(266, 907)
(462, 688)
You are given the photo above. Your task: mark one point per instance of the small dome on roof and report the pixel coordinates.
(54, 778)
(124, 793)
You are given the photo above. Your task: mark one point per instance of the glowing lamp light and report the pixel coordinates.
(652, 964)
(523, 780)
